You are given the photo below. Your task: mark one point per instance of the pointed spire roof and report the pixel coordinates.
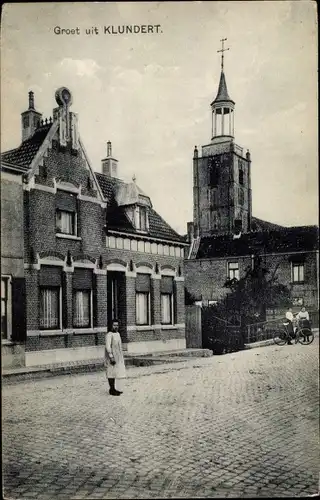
(222, 94)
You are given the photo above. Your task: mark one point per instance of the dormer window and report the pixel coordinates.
(141, 218)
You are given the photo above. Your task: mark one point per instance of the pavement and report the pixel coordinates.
(242, 425)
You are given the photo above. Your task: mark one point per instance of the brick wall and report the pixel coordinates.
(150, 335)
(205, 278)
(102, 313)
(40, 231)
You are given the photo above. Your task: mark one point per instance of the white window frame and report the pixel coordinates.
(112, 242)
(141, 246)
(147, 294)
(74, 292)
(139, 210)
(233, 273)
(172, 312)
(299, 266)
(134, 243)
(74, 222)
(59, 326)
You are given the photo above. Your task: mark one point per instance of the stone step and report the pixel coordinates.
(195, 353)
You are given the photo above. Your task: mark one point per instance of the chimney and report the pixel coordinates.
(30, 119)
(110, 164)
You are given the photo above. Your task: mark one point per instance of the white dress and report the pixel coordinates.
(113, 346)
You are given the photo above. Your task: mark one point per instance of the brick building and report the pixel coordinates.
(224, 236)
(94, 249)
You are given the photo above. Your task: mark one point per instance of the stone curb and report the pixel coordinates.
(77, 367)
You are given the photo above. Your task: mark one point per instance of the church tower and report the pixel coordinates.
(221, 174)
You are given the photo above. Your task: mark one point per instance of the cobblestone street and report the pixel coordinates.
(238, 425)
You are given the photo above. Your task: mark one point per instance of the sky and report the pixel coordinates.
(150, 94)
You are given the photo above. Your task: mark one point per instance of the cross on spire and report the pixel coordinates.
(222, 51)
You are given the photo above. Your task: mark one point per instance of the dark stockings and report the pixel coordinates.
(113, 391)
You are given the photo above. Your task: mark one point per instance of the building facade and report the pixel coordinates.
(224, 237)
(13, 300)
(94, 249)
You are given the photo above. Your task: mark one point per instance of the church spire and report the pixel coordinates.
(222, 106)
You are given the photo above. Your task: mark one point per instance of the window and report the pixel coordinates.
(50, 282)
(140, 246)
(112, 242)
(167, 300)
(82, 308)
(238, 225)
(50, 308)
(134, 245)
(143, 313)
(66, 213)
(172, 251)
(241, 177)
(213, 172)
(26, 121)
(4, 308)
(126, 244)
(233, 270)
(82, 283)
(154, 248)
(120, 243)
(214, 198)
(141, 220)
(240, 196)
(147, 247)
(142, 308)
(65, 222)
(297, 272)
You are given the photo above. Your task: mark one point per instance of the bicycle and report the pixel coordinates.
(303, 335)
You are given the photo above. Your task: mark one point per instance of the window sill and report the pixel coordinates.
(144, 327)
(169, 327)
(7, 342)
(68, 236)
(47, 333)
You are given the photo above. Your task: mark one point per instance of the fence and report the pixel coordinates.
(265, 330)
(193, 327)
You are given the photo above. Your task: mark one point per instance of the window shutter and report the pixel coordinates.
(64, 301)
(175, 303)
(143, 283)
(50, 276)
(94, 300)
(19, 327)
(167, 284)
(82, 279)
(66, 201)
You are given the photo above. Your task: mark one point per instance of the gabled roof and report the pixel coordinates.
(25, 153)
(263, 225)
(118, 221)
(289, 239)
(222, 94)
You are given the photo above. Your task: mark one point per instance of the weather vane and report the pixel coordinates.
(222, 51)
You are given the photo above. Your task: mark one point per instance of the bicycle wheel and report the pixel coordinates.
(305, 336)
(280, 337)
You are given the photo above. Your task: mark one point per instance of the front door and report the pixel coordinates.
(117, 301)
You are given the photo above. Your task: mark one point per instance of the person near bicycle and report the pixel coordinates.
(289, 325)
(303, 319)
